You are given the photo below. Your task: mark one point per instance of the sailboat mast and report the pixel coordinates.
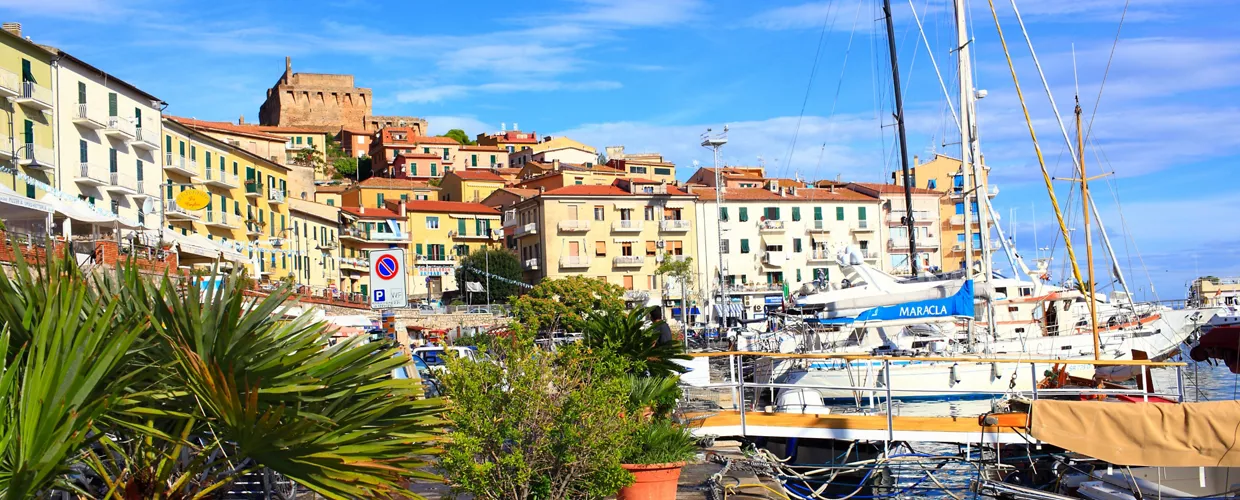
(908, 179)
(1089, 248)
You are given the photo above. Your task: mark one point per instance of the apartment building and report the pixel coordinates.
(893, 232)
(108, 133)
(641, 165)
(469, 185)
(270, 146)
(363, 229)
(355, 142)
(330, 194)
(316, 243)
(27, 140)
(943, 173)
(391, 142)
(297, 139)
(441, 232)
(481, 157)
(556, 174)
(247, 215)
(780, 238)
(552, 149)
(510, 141)
(742, 177)
(619, 232)
(375, 191)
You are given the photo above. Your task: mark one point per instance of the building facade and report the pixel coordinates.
(552, 149)
(510, 141)
(317, 244)
(943, 173)
(362, 230)
(324, 101)
(108, 133)
(441, 233)
(780, 239)
(469, 185)
(893, 232)
(376, 191)
(641, 165)
(619, 233)
(27, 141)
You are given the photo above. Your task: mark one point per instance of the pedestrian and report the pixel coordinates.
(665, 331)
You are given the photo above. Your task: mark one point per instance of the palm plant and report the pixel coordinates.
(142, 389)
(633, 337)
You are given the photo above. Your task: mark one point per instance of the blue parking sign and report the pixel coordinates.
(380, 296)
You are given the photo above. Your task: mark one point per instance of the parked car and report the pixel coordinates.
(430, 386)
(434, 355)
(428, 309)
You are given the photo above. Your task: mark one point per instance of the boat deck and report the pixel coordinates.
(857, 427)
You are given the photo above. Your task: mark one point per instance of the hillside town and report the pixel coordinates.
(111, 163)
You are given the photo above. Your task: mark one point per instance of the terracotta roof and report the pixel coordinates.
(286, 130)
(640, 180)
(803, 194)
(395, 183)
(449, 207)
(522, 192)
(477, 175)
(609, 190)
(422, 155)
(371, 213)
(249, 130)
(429, 139)
(892, 188)
(332, 188)
(735, 172)
(508, 171)
(483, 148)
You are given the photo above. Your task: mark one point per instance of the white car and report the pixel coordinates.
(434, 355)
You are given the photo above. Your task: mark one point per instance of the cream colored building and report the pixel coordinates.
(317, 243)
(943, 173)
(1214, 292)
(893, 231)
(552, 149)
(779, 237)
(641, 165)
(620, 233)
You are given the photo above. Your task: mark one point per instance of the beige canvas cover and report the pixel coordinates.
(1148, 434)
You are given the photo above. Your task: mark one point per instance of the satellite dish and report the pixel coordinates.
(148, 207)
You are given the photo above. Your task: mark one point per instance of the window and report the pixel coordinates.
(796, 246)
(331, 202)
(460, 227)
(628, 282)
(676, 247)
(839, 213)
(112, 104)
(723, 246)
(822, 274)
(112, 160)
(82, 157)
(649, 213)
(775, 278)
(860, 213)
(434, 170)
(960, 208)
(379, 200)
(28, 132)
(817, 213)
(404, 197)
(432, 222)
(626, 214)
(744, 245)
(474, 159)
(27, 73)
(796, 214)
(932, 184)
(626, 249)
(492, 159)
(651, 249)
(637, 170)
(417, 249)
(662, 171)
(577, 180)
(81, 92)
(744, 214)
(598, 212)
(771, 213)
(723, 214)
(299, 140)
(600, 248)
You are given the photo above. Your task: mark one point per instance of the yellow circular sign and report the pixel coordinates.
(193, 199)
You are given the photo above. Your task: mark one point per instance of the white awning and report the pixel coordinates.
(626, 240)
(14, 206)
(80, 211)
(196, 245)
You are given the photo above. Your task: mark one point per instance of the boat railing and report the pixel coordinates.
(736, 396)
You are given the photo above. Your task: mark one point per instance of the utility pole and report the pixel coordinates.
(908, 179)
(714, 143)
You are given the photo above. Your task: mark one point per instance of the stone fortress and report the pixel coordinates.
(325, 102)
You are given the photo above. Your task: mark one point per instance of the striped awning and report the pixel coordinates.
(626, 240)
(729, 310)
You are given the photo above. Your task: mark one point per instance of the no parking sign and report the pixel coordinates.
(387, 280)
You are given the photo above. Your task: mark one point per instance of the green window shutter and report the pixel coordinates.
(460, 226)
(237, 208)
(139, 167)
(28, 132)
(193, 152)
(27, 72)
(207, 162)
(168, 143)
(796, 246)
(839, 213)
(798, 275)
(426, 151)
(860, 213)
(817, 213)
(299, 140)
(112, 104)
(182, 148)
(744, 215)
(82, 152)
(434, 171)
(492, 159)
(744, 245)
(112, 160)
(796, 213)
(723, 213)
(137, 117)
(379, 200)
(81, 92)
(404, 197)
(30, 194)
(776, 212)
(418, 249)
(474, 158)
(415, 169)
(235, 168)
(331, 202)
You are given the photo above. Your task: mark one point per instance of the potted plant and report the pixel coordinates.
(657, 450)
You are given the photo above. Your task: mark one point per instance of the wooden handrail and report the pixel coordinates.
(978, 359)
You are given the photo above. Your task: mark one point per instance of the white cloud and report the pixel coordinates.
(446, 92)
(635, 13)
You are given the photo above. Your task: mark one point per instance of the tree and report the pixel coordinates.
(503, 266)
(536, 425)
(365, 168)
(332, 149)
(310, 157)
(681, 274)
(632, 337)
(344, 167)
(565, 304)
(460, 136)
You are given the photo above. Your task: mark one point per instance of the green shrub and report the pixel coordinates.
(658, 442)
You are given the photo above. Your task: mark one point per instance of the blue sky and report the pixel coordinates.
(653, 74)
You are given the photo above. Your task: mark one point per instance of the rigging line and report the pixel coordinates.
(1127, 235)
(809, 85)
(1094, 113)
(840, 84)
(942, 84)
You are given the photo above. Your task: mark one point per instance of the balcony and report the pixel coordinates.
(573, 226)
(677, 225)
(485, 235)
(435, 260)
(526, 229)
(739, 288)
(327, 245)
(628, 261)
(88, 177)
(146, 138)
(530, 264)
(275, 195)
(819, 255)
(140, 189)
(275, 241)
(219, 219)
(771, 226)
(7, 146)
(869, 254)
(253, 228)
(863, 226)
(818, 226)
(574, 261)
(88, 119)
(253, 188)
(119, 128)
(358, 264)
(10, 84)
(120, 183)
(920, 217)
(176, 213)
(37, 157)
(636, 296)
(368, 236)
(34, 96)
(900, 245)
(220, 178)
(672, 258)
(993, 191)
(180, 165)
(774, 258)
(626, 226)
(510, 219)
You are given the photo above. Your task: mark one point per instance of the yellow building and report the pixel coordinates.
(317, 244)
(26, 147)
(555, 149)
(247, 216)
(471, 186)
(441, 232)
(330, 194)
(943, 173)
(363, 229)
(620, 233)
(1211, 291)
(641, 165)
(373, 192)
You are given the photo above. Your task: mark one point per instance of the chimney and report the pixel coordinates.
(14, 28)
(241, 120)
(555, 165)
(547, 138)
(288, 68)
(402, 210)
(542, 189)
(915, 161)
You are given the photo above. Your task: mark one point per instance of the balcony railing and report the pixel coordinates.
(119, 127)
(140, 191)
(628, 260)
(863, 226)
(275, 195)
(253, 188)
(771, 226)
(522, 230)
(218, 218)
(89, 177)
(357, 263)
(574, 225)
(370, 235)
(819, 226)
(220, 178)
(181, 165)
(774, 258)
(919, 217)
(35, 96)
(754, 287)
(900, 244)
(819, 254)
(175, 212)
(486, 234)
(146, 138)
(10, 84)
(673, 225)
(435, 259)
(869, 254)
(574, 261)
(36, 156)
(88, 119)
(120, 183)
(636, 295)
(626, 225)
(253, 228)
(530, 264)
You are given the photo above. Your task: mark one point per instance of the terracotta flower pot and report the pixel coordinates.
(651, 482)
